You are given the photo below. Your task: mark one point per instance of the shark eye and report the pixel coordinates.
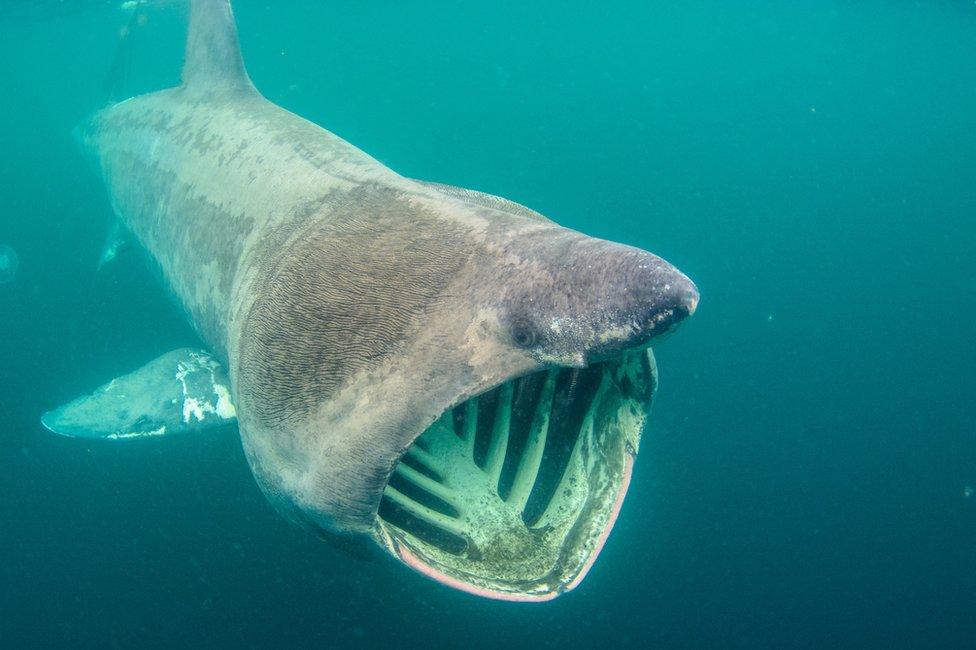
(523, 333)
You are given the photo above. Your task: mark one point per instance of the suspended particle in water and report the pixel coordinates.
(8, 264)
(968, 491)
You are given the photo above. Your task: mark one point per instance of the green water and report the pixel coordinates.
(808, 476)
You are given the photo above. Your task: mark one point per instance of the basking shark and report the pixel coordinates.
(445, 373)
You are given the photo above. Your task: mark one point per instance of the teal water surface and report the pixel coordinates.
(809, 475)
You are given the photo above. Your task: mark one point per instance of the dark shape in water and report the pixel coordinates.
(9, 264)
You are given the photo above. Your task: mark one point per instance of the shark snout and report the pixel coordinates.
(674, 300)
(592, 299)
(647, 297)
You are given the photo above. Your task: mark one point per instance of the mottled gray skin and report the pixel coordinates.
(351, 305)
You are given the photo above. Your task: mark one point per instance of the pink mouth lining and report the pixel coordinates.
(416, 564)
(614, 511)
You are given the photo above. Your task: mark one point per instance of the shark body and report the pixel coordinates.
(445, 372)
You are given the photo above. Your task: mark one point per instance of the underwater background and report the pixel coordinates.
(808, 478)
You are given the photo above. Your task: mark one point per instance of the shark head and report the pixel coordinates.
(461, 381)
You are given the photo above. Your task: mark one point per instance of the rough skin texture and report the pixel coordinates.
(317, 323)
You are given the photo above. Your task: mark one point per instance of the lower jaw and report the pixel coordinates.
(512, 494)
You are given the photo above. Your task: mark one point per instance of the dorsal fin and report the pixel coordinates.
(213, 55)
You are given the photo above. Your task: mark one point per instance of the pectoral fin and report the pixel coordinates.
(182, 391)
(115, 241)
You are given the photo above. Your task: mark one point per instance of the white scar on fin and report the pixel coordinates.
(199, 406)
(183, 390)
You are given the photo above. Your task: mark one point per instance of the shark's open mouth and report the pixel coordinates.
(512, 493)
